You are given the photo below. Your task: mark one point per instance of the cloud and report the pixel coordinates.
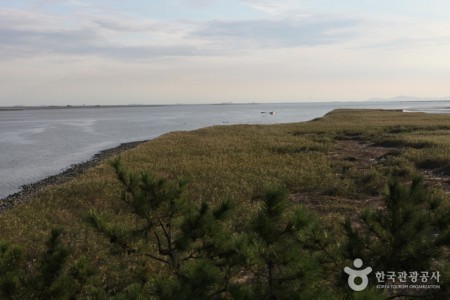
(21, 43)
(117, 34)
(274, 7)
(403, 35)
(24, 19)
(28, 41)
(306, 31)
(408, 43)
(123, 24)
(28, 33)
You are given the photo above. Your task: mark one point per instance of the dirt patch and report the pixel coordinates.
(361, 154)
(364, 155)
(393, 143)
(437, 179)
(333, 207)
(436, 172)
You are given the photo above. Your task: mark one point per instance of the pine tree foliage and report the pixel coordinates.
(410, 234)
(52, 279)
(407, 234)
(10, 261)
(202, 257)
(283, 267)
(190, 240)
(52, 263)
(48, 279)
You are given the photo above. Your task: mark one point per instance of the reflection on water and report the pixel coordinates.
(35, 144)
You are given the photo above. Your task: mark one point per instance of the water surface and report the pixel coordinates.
(35, 144)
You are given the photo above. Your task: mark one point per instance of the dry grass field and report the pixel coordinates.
(335, 166)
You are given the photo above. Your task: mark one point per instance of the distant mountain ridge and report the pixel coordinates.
(411, 98)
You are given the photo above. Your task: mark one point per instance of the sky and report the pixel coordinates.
(99, 52)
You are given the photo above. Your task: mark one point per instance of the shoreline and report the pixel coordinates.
(28, 191)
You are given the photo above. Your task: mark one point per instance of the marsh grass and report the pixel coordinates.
(237, 163)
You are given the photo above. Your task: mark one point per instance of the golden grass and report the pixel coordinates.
(235, 162)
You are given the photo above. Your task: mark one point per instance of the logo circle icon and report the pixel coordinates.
(353, 274)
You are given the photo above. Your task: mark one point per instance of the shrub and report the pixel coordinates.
(409, 234)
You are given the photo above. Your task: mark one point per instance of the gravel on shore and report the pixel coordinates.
(28, 191)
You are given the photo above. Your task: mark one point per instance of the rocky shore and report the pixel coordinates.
(28, 191)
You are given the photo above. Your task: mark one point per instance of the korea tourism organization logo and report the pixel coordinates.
(358, 279)
(362, 274)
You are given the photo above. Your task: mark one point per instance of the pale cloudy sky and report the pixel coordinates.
(58, 52)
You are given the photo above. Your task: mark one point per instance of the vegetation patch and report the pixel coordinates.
(432, 164)
(398, 143)
(390, 153)
(302, 149)
(409, 129)
(351, 135)
(244, 212)
(445, 170)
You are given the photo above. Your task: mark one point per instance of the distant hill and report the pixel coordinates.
(410, 98)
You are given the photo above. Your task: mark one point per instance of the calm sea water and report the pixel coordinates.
(35, 144)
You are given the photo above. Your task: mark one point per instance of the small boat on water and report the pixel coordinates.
(269, 112)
